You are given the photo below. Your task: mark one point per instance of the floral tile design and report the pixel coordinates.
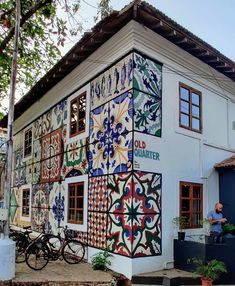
(120, 153)
(146, 235)
(19, 177)
(59, 115)
(147, 113)
(119, 234)
(18, 159)
(29, 174)
(121, 114)
(42, 126)
(46, 147)
(97, 194)
(98, 158)
(37, 150)
(147, 76)
(120, 193)
(113, 82)
(57, 207)
(15, 197)
(146, 193)
(36, 173)
(55, 168)
(75, 163)
(39, 219)
(45, 171)
(40, 196)
(99, 124)
(97, 228)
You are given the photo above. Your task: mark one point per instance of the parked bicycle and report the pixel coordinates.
(22, 240)
(50, 247)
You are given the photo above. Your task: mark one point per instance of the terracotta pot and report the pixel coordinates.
(206, 281)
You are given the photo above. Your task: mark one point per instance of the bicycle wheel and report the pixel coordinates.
(73, 251)
(21, 246)
(37, 255)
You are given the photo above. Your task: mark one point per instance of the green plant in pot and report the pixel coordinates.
(229, 228)
(206, 228)
(100, 260)
(209, 271)
(180, 222)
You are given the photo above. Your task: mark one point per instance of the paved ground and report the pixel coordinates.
(62, 272)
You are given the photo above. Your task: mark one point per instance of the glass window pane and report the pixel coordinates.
(71, 191)
(196, 205)
(79, 202)
(185, 191)
(184, 120)
(184, 93)
(71, 203)
(184, 106)
(80, 190)
(196, 219)
(71, 215)
(79, 216)
(195, 98)
(195, 111)
(185, 205)
(196, 124)
(196, 192)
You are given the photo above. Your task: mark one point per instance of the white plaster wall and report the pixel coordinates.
(183, 155)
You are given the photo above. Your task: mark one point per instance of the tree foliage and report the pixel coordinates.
(45, 26)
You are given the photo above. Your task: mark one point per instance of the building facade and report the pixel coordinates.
(125, 139)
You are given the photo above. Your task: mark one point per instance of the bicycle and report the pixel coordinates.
(50, 247)
(22, 240)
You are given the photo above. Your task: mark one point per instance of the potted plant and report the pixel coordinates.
(180, 222)
(229, 228)
(208, 271)
(100, 260)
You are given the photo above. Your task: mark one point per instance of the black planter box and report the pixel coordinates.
(184, 250)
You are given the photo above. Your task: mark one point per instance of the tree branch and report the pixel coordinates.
(24, 18)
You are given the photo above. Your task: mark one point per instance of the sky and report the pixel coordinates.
(211, 20)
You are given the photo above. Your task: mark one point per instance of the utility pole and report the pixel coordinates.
(7, 246)
(11, 116)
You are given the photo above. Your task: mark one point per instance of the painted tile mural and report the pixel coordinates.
(147, 113)
(123, 205)
(147, 75)
(115, 81)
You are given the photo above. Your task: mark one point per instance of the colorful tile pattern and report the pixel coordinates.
(146, 235)
(97, 224)
(42, 126)
(40, 196)
(113, 82)
(147, 75)
(59, 115)
(147, 113)
(39, 219)
(120, 193)
(146, 193)
(119, 234)
(97, 196)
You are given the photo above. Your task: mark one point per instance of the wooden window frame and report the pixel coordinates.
(191, 200)
(30, 139)
(25, 203)
(191, 90)
(75, 208)
(78, 131)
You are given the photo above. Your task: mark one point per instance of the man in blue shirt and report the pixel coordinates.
(216, 219)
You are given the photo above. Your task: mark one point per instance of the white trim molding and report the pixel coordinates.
(24, 187)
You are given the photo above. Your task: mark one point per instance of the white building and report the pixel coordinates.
(133, 120)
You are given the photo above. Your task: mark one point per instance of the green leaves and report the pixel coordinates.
(45, 26)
